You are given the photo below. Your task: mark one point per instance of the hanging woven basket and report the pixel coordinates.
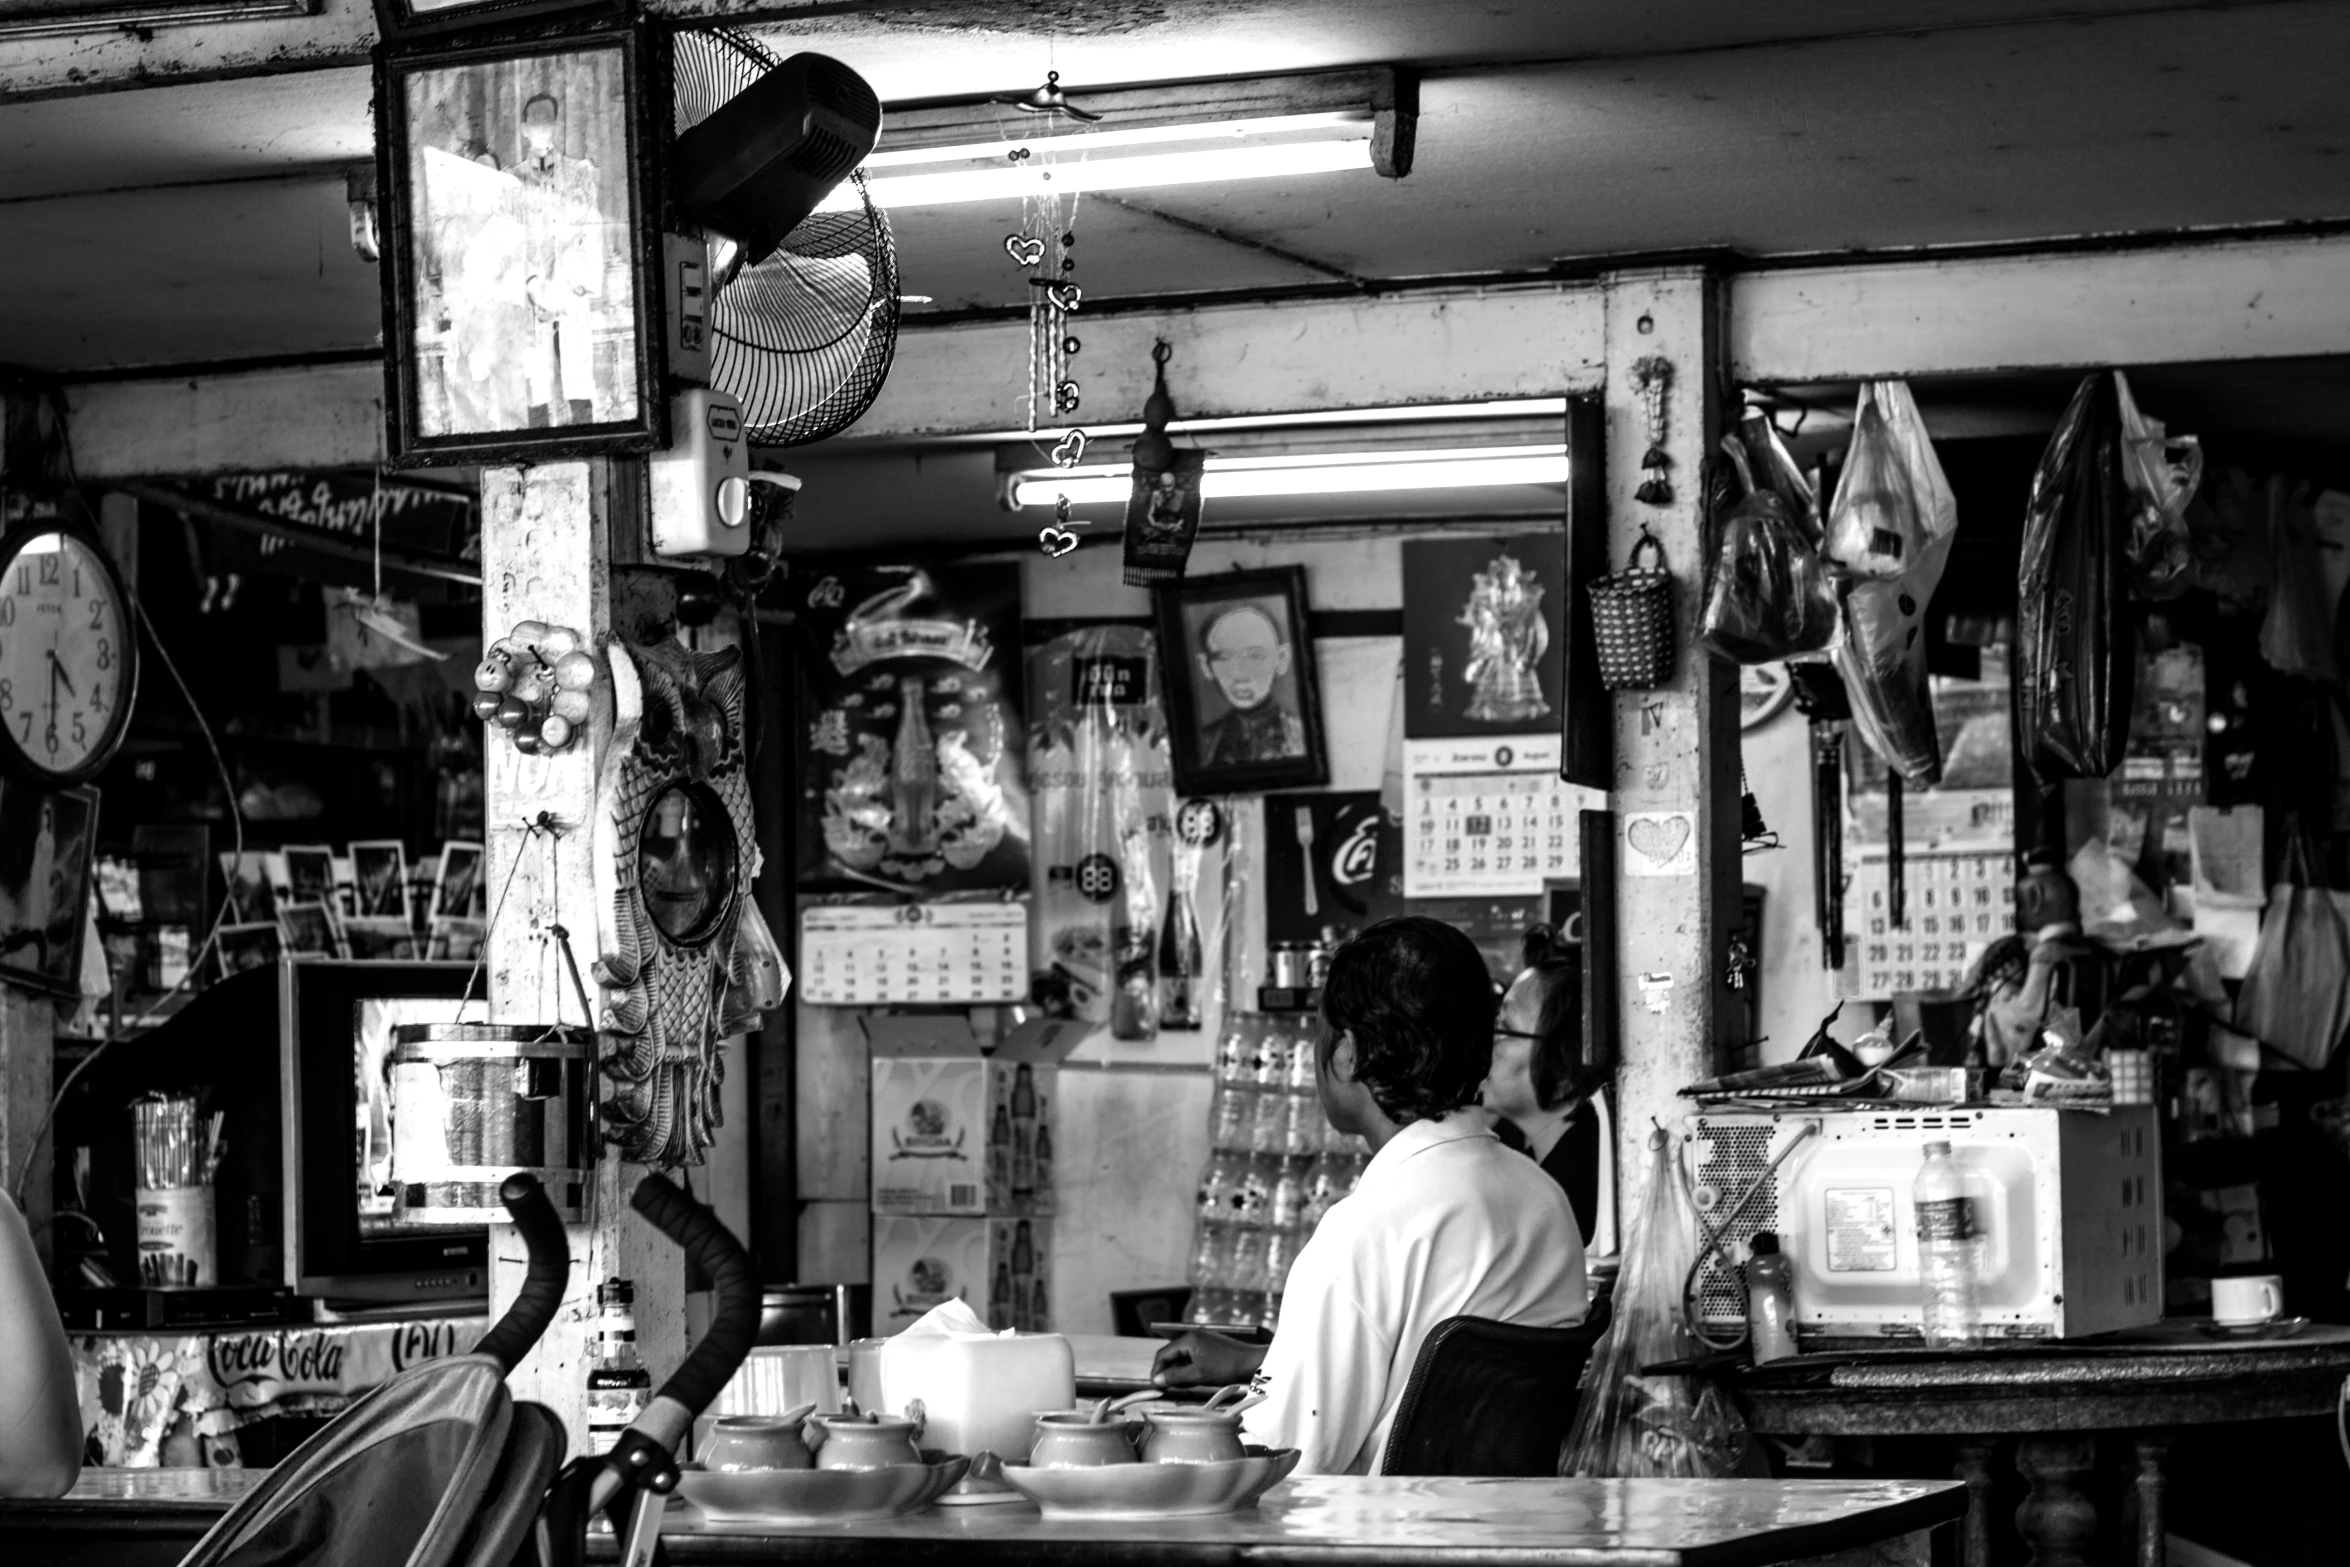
(1632, 620)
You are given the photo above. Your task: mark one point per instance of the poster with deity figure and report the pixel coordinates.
(911, 731)
(1483, 628)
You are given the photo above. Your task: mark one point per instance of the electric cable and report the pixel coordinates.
(1716, 1243)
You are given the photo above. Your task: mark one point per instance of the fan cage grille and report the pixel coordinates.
(804, 339)
(1739, 1155)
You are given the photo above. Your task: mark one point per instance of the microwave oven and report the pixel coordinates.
(2068, 1205)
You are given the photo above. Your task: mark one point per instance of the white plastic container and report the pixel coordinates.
(979, 1390)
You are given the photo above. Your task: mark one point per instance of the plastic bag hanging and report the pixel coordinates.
(2076, 671)
(2162, 472)
(1632, 1423)
(1890, 496)
(1767, 596)
(1882, 652)
(1104, 805)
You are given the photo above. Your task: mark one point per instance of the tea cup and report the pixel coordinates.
(1179, 1435)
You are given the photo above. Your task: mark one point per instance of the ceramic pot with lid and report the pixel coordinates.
(739, 1444)
(845, 1442)
(1072, 1439)
(1179, 1435)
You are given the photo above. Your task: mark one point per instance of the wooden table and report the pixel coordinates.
(141, 1515)
(2054, 1399)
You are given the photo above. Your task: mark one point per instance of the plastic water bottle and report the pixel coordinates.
(1947, 1249)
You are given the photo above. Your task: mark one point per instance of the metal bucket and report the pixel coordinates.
(473, 1103)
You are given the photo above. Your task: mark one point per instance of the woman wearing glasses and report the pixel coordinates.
(1539, 1086)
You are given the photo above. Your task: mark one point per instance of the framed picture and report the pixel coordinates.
(519, 254)
(379, 880)
(45, 844)
(310, 872)
(457, 888)
(252, 945)
(380, 939)
(411, 18)
(457, 940)
(1244, 711)
(309, 930)
(252, 879)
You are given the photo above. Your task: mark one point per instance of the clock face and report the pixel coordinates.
(65, 655)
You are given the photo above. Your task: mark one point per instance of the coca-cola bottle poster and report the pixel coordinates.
(911, 728)
(1333, 864)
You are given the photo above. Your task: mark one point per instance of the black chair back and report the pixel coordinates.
(1491, 1398)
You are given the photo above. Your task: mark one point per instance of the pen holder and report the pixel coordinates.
(175, 1151)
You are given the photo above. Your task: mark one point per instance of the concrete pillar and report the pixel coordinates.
(1676, 780)
(545, 555)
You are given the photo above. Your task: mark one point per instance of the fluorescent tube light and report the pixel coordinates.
(1323, 473)
(1145, 156)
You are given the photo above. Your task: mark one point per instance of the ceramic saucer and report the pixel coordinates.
(1153, 1490)
(792, 1496)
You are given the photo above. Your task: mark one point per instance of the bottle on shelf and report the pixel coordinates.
(618, 1385)
(1023, 1131)
(1948, 1291)
(1770, 1300)
(1232, 1121)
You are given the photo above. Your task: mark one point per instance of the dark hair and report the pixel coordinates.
(1415, 994)
(1557, 1067)
(554, 106)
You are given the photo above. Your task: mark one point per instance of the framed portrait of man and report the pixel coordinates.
(1244, 710)
(518, 251)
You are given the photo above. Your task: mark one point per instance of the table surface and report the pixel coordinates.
(1583, 1523)
(2172, 1374)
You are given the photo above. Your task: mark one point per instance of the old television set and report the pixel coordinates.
(290, 1054)
(344, 1242)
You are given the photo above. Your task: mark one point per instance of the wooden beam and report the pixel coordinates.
(317, 416)
(1676, 747)
(2245, 299)
(1300, 356)
(545, 557)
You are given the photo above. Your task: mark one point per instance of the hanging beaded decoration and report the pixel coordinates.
(1041, 248)
(1652, 377)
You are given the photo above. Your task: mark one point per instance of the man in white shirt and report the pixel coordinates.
(1445, 1221)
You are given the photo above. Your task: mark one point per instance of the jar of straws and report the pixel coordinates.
(176, 1152)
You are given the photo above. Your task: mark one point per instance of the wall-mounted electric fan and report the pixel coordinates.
(801, 335)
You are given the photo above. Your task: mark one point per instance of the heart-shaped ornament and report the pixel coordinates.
(1066, 297)
(1023, 250)
(1055, 542)
(1069, 450)
(1658, 838)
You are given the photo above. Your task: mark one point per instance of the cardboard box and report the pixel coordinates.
(1000, 1267)
(958, 1131)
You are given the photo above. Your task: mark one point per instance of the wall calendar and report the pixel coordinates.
(1486, 817)
(913, 954)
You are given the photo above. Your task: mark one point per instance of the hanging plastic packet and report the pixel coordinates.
(1104, 807)
(1882, 653)
(2076, 670)
(1767, 596)
(2162, 472)
(1634, 1422)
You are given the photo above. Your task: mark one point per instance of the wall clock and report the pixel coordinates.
(68, 654)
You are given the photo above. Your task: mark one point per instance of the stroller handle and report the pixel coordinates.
(542, 1286)
(734, 1323)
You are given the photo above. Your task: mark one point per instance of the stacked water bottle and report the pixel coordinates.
(1274, 1168)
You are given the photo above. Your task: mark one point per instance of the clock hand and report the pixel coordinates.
(57, 666)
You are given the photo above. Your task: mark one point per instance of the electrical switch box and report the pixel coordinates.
(685, 264)
(702, 483)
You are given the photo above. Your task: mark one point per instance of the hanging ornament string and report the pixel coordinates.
(545, 823)
(1652, 378)
(1042, 247)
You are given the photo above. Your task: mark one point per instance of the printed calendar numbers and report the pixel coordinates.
(918, 954)
(1487, 817)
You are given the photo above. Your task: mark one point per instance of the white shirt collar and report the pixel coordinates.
(1419, 1136)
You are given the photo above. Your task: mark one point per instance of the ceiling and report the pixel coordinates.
(202, 221)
